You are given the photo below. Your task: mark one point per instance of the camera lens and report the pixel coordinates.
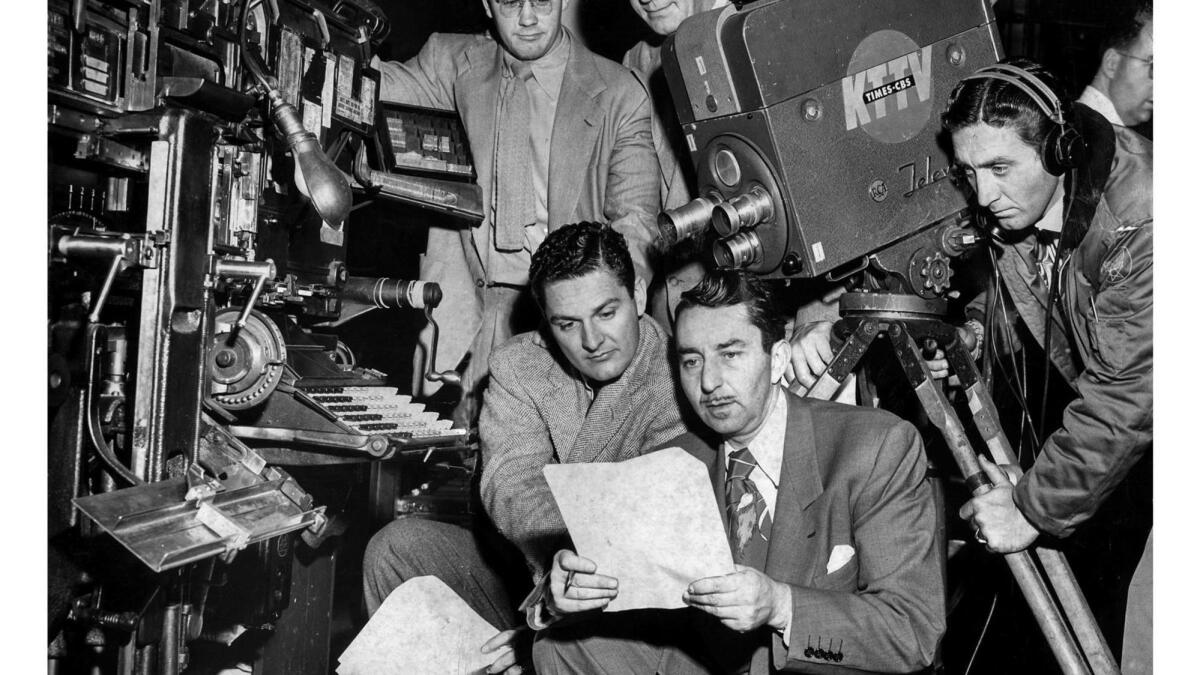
(743, 211)
(741, 250)
(675, 225)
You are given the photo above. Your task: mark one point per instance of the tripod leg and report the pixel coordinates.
(1062, 579)
(940, 412)
(843, 363)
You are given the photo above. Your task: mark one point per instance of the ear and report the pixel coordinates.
(487, 8)
(1110, 62)
(781, 356)
(639, 295)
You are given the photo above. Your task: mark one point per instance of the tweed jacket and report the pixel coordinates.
(1102, 338)
(850, 476)
(537, 411)
(602, 163)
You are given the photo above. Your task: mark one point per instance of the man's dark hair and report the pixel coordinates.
(1001, 104)
(726, 288)
(576, 250)
(1125, 31)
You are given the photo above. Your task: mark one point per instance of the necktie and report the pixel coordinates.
(748, 524)
(512, 166)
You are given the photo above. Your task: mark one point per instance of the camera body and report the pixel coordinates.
(814, 129)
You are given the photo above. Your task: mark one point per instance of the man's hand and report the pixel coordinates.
(939, 365)
(743, 600)
(506, 644)
(811, 352)
(999, 524)
(575, 587)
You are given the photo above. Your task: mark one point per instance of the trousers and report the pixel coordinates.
(480, 567)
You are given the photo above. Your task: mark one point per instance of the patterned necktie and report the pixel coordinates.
(513, 163)
(748, 521)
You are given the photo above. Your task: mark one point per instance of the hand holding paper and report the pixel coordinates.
(574, 586)
(651, 523)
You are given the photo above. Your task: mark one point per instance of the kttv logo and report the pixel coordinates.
(866, 94)
(888, 88)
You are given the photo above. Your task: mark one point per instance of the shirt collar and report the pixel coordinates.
(1096, 100)
(547, 70)
(767, 444)
(1052, 221)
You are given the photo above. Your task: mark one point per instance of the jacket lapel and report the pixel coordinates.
(476, 93)
(790, 550)
(562, 418)
(577, 121)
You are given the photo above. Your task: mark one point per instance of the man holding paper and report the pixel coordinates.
(832, 524)
(595, 386)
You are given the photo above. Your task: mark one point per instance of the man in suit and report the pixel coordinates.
(599, 390)
(557, 135)
(832, 523)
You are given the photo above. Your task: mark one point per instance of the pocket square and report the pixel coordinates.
(841, 554)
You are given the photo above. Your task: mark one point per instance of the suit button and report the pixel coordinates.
(837, 657)
(479, 283)
(808, 651)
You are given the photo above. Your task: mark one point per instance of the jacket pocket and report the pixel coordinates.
(1110, 336)
(844, 578)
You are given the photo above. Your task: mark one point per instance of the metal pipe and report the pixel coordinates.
(168, 656)
(103, 449)
(259, 271)
(113, 269)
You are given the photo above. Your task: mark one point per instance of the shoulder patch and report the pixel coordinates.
(1118, 266)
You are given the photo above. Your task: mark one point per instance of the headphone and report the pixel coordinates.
(1064, 147)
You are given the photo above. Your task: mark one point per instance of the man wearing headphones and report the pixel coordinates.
(1069, 198)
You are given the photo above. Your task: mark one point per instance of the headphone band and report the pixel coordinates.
(1044, 96)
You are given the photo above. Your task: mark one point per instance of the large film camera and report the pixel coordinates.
(201, 160)
(813, 128)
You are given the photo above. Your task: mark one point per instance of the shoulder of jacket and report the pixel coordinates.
(855, 418)
(1129, 192)
(464, 48)
(522, 353)
(618, 80)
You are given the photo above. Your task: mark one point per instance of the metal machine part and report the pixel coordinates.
(246, 360)
(817, 143)
(198, 216)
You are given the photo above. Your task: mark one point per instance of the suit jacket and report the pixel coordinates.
(850, 476)
(602, 162)
(538, 411)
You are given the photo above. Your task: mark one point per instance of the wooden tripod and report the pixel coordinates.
(908, 321)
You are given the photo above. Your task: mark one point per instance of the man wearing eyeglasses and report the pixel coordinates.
(558, 135)
(1123, 88)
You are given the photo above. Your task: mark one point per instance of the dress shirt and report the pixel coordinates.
(1049, 229)
(1096, 100)
(543, 89)
(767, 448)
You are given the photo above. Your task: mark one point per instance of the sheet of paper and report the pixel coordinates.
(651, 522)
(422, 628)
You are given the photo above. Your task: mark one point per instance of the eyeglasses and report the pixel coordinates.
(1149, 62)
(513, 7)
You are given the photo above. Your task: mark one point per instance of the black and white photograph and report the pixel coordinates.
(632, 337)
